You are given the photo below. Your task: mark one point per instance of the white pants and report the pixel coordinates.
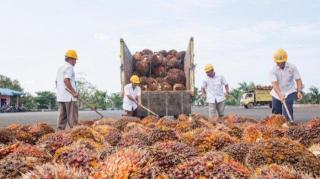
(214, 107)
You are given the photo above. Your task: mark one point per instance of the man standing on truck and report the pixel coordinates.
(283, 76)
(66, 92)
(132, 96)
(212, 90)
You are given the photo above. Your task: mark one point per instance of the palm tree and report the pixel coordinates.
(245, 87)
(314, 95)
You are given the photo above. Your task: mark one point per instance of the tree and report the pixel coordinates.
(45, 100)
(197, 99)
(314, 95)
(114, 101)
(98, 99)
(28, 102)
(245, 87)
(6, 82)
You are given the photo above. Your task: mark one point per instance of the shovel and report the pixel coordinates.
(149, 110)
(287, 110)
(86, 103)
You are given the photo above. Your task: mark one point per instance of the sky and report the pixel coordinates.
(239, 37)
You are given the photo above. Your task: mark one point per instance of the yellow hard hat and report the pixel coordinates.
(71, 54)
(280, 56)
(208, 68)
(135, 79)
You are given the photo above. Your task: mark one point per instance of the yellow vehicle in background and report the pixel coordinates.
(258, 96)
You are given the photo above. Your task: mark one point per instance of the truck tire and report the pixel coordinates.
(250, 105)
(245, 106)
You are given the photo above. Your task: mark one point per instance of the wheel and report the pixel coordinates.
(250, 105)
(270, 105)
(246, 106)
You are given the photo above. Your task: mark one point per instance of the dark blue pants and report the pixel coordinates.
(278, 108)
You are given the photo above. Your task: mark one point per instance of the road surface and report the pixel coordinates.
(302, 113)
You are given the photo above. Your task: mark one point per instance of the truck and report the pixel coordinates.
(257, 96)
(163, 103)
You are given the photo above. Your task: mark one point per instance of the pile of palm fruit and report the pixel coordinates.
(188, 147)
(160, 71)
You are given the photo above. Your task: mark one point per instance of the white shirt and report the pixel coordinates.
(127, 103)
(214, 88)
(286, 79)
(65, 71)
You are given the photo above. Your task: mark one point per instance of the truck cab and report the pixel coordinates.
(247, 100)
(258, 96)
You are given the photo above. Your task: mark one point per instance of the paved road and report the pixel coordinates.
(301, 114)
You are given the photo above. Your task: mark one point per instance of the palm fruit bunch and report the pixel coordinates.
(274, 121)
(6, 136)
(149, 120)
(125, 163)
(235, 131)
(55, 171)
(39, 130)
(104, 121)
(211, 165)
(137, 138)
(165, 122)
(79, 157)
(187, 123)
(240, 121)
(161, 71)
(165, 155)
(7, 149)
(13, 165)
(312, 132)
(121, 123)
(29, 150)
(85, 132)
(86, 123)
(271, 132)
(285, 152)
(251, 134)
(110, 134)
(24, 149)
(161, 134)
(132, 126)
(53, 141)
(315, 149)
(306, 135)
(21, 133)
(106, 152)
(90, 144)
(30, 133)
(212, 140)
(238, 151)
(277, 171)
(189, 137)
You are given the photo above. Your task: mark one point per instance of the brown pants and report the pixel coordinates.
(68, 113)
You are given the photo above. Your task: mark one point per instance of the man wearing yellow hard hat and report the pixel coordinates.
(66, 92)
(132, 96)
(284, 78)
(212, 91)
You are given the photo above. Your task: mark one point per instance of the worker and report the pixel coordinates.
(132, 96)
(212, 91)
(66, 92)
(283, 76)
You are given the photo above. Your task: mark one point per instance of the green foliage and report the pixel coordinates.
(114, 101)
(197, 99)
(45, 100)
(312, 97)
(28, 102)
(6, 82)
